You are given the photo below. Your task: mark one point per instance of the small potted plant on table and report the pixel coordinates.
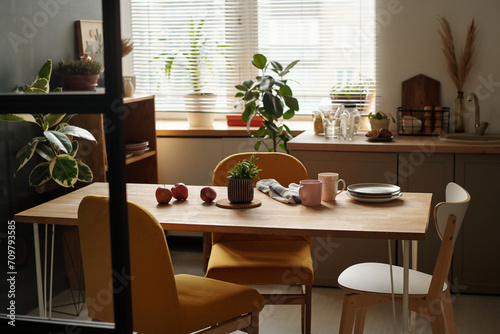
(240, 182)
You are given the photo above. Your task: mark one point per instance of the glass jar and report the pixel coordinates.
(318, 123)
(357, 117)
(347, 122)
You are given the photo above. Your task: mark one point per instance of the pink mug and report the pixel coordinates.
(310, 192)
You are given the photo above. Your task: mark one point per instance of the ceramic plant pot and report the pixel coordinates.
(377, 124)
(80, 82)
(240, 190)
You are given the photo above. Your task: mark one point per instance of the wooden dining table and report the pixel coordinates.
(405, 218)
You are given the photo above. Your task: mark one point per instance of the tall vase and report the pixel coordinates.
(459, 112)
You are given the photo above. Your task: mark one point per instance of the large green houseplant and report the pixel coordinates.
(269, 97)
(55, 145)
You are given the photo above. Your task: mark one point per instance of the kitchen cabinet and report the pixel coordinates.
(332, 255)
(477, 250)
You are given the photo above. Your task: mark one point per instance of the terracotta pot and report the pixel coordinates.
(80, 82)
(240, 190)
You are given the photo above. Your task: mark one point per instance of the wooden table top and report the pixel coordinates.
(404, 218)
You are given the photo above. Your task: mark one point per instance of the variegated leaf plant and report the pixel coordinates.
(56, 146)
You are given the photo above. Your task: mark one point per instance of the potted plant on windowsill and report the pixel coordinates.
(267, 97)
(353, 92)
(198, 54)
(240, 187)
(80, 74)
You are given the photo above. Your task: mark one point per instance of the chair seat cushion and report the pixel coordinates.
(376, 278)
(262, 262)
(205, 302)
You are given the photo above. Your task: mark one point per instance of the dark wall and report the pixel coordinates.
(30, 33)
(33, 31)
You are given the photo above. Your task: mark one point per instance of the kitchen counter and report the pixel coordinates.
(308, 141)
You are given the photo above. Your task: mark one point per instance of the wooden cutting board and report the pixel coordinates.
(420, 91)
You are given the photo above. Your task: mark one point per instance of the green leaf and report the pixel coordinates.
(59, 140)
(84, 172)
(25, 154)
(286, 91)
(266, 83)
(45, 152)
(46, 70)
(256, 146)
(40, 174)
(239, 94)
(289, 67)
(64, 170)
(277, 66)
(76, 131)
(35, 90)
(289, 114)
(57, 90)
(68, 118)
(18, 118)
(40, 83)
(241, 87)
(53, 119)
(291, 102)
(271, 126)
(259, 61)
(45, 126)
(74, 150)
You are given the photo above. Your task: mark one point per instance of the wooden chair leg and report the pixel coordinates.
(348, 314)
(254, 326)
(359, 323)
(449, 316)
(306, 310)
(207, 248)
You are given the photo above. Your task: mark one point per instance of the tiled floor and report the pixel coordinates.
(474, 313)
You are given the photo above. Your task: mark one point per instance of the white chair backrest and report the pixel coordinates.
(457, 201)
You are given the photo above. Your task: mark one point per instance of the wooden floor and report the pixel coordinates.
(474, 313)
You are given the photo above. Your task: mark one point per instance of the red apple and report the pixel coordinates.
(163, 195)
(180, 191)
(207, 194)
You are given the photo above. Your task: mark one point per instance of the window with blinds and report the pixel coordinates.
(206, 46)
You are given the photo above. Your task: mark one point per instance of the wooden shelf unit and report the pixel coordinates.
(140, 125)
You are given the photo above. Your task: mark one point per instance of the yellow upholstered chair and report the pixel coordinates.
(265, 259)
(161, 302)
(370, 283)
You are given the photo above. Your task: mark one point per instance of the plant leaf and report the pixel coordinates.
(40, 174)
(64, 170)
(286, 91)
(266, 83)
(18, 118)
(45, 152)
(53, 119)
(277, 66)
(259, 61)
(289, 67)
(288, 114)
(84, 172)
(59, 140)
(76, 131)
(57, 90)
(46, 70)
(291, 102)
(74, 150)
(241, 87)
(25, 154)
(39, 83)
(35, 90)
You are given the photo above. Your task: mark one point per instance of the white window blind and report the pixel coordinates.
(333, 39)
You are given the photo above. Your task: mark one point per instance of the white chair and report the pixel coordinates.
(370, 284)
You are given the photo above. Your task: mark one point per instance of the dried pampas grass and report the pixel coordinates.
(458, 70)
(127, 46)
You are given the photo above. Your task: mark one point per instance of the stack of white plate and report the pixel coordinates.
(137, 148)
(374, 192)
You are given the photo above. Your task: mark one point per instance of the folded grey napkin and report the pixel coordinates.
(278, 192)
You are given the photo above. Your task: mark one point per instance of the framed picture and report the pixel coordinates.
(90, 39)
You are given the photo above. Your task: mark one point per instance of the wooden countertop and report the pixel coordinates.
(308, 141)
